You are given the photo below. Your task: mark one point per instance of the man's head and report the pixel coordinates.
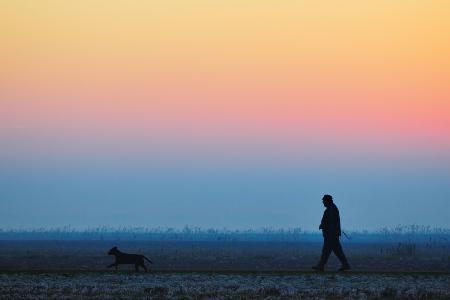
(327, 200)
(113, 251)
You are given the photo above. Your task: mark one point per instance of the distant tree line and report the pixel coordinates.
(407, 233)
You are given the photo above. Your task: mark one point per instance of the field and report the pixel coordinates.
(205, 285)
(222, 270)
(222, 256)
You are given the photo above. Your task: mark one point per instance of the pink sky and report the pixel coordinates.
(212, 78)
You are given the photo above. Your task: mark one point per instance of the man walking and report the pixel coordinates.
(331, 230)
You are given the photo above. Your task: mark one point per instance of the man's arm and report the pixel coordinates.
(338, 223)
(323, 223)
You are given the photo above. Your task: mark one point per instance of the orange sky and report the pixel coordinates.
(356, 73)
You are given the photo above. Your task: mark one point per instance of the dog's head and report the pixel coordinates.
(113, 251)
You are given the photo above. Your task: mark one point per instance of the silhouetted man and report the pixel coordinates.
(331, 230)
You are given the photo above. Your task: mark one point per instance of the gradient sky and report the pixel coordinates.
(229, 113)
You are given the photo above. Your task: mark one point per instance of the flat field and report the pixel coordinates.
(221, 270)
(222, 285)
(221, 256)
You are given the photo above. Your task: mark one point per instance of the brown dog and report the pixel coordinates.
(128, 259)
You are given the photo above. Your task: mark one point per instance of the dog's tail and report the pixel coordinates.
(147, 259)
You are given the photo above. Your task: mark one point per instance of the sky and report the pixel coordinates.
(226, 114)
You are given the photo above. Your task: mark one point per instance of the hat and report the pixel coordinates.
(327, 198)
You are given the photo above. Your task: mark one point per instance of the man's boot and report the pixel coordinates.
(343, 268)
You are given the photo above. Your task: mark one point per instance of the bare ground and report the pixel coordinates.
(221, 270)
(220, 256)
(207, 285)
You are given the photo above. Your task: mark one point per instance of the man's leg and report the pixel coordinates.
(337, 249)
(326, 251)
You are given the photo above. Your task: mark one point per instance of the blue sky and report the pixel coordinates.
(370, 196)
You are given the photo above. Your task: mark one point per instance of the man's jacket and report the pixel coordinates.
(331, 223)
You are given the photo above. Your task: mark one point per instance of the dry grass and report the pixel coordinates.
(89, 285)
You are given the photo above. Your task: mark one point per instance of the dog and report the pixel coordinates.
(128, 259)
